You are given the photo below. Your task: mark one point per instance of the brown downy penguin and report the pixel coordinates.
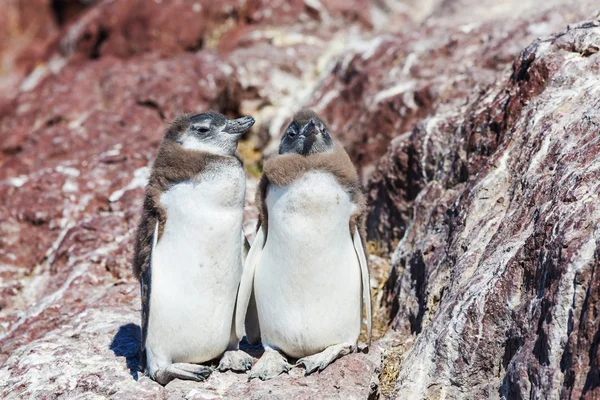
(307, 268)
(188, 253)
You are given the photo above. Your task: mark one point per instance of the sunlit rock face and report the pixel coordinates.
(496, 273)
(475, 128)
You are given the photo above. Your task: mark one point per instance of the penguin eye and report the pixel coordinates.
(322, 128)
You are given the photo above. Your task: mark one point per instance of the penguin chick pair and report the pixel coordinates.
(304, 275)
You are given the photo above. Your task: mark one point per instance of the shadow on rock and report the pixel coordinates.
(255, 350)
(126, 343)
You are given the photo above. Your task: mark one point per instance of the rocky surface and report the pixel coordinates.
(474, 125)
(497, 269)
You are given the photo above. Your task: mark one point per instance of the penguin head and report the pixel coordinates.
(306, 134)
(213, 132)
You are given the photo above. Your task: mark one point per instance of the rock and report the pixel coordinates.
(27, 29)
(23, 25)
(458, 79)
(495, 276)
(380, 88)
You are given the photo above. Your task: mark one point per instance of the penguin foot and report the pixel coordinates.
(321, 360)
(192, 372)
(271, 364)
(235, 360)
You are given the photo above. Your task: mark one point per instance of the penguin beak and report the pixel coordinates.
(238, 126)
(308, 129)
(309, 134)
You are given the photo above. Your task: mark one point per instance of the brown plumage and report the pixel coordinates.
(173, 164)
(283, 169)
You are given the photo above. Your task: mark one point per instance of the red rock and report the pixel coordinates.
(25, 27)
(495, 274)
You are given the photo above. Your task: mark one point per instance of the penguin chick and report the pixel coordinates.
(307, 267)
(188, 253)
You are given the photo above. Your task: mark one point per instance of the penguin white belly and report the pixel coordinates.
(196, 269)
(308, 280)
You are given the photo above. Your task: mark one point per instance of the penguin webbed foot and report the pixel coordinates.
(235, 360)
(186, 371)
(321, 360)
(271, 364)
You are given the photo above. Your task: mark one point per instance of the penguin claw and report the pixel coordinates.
(271, 364)
(235, 360)
(186, 371)
(312, 365)
(309, 365)
(321, 360)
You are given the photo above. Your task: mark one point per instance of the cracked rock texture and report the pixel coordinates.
(476, 128)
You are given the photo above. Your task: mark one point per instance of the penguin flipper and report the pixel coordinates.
(366, 285)
(145, 287)
(247, 282)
